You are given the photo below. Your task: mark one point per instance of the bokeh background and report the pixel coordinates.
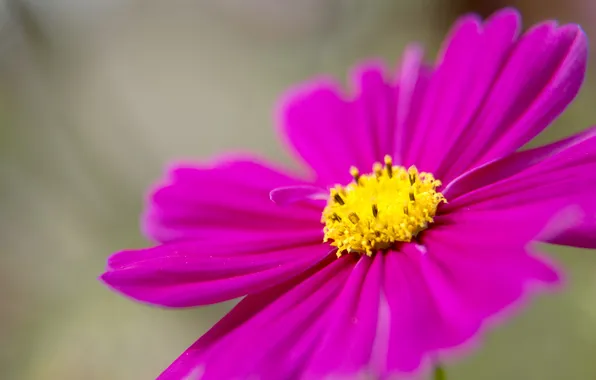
(96, 96)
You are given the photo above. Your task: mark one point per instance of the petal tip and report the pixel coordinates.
(506, 19)
(323, 85)
(106, 278)
(507, 12)
(299, 101)
(467, 20)
(374, 66)
(414, 49)
(367, 73)
(575, 33)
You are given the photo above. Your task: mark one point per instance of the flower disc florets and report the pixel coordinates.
(391, 204)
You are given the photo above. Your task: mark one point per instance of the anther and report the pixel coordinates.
(389, 166)
(412, 198)
(336, 217)
(339, 199)
(375, 210)
(378, 169)
(353, 218)
(355, 173)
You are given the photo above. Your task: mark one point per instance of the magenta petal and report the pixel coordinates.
(332, 132)
(231, 198)
(374, 104)
(446, 94)
(347, 342)
(188, 365)
(193, 359)
(471, 280)
(199, 273)
(548, 87)
(473, 55)
(281, 316)
(491, 94)
(284, 196)
(441, 293)
(310, 117)
(499, 170)
(413, 78)
(324, 326)
(413, 321)
(531, 187)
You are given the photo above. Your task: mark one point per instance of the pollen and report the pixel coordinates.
(377, 210)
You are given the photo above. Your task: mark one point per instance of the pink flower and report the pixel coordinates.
(411, 267)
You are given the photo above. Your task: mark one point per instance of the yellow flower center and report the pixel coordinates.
(391, 204)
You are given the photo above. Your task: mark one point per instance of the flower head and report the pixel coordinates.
(416, 226)
(392, 204)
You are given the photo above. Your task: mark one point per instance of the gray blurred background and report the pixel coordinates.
(97, 95)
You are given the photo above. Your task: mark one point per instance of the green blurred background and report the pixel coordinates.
(96, 96)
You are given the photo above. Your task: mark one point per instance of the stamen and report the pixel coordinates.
(378, 169)
(389, 166)
(353, 218)
(355, 174)
(392, 204)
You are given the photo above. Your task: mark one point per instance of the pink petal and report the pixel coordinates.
(288, 195)
(361, 316)
(322, 324)
(413, 78)
(548, 87)
(441, 294)
(414, 324)
(347, 341)
(472, 281)
(274, 322)
(199, 273)
(530, 188)
(447, 98)
(491, 94)
(374, 104)
(231, 198)
(332, 132)
(190, 361)
(329, 323)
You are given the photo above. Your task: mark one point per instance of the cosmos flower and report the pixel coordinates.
(418, 224)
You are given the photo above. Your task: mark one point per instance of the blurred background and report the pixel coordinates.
(97, 95)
